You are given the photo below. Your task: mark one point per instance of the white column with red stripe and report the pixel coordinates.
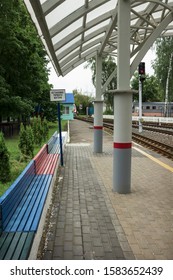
(98, 109)
(98, 126)
(123, 105)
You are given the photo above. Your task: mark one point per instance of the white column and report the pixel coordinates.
(98, 109)
(123, 105)
(98, 126)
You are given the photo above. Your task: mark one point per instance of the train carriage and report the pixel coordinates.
(154, 109)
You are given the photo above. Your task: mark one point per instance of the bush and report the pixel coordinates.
(40, 130)
(5, 172)
(30, 141)
(108, 112)
(26, 141)
(45, 129)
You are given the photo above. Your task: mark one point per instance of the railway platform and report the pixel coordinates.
(88, 221)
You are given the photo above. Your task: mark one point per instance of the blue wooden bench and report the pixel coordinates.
(53, 144)
(15, 245)
(22, 204)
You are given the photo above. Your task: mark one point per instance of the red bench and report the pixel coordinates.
(45, 163)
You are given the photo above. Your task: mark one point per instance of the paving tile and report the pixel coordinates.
(98, 251)
(68, 246)
(78, 250)
(77, 240)
(92, 222)
(68, 255)
(58, 251)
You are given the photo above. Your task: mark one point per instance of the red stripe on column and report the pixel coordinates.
(122, 145)
(98, 127)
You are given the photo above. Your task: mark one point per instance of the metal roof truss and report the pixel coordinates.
(75, 31)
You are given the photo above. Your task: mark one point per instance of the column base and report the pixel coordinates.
(122, 169)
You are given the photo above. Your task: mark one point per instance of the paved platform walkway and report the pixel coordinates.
(88, 221)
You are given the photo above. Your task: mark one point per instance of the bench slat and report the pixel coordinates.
(34, 225)
(22, 213)
(27, 245)
(16, 246)
(14, 241)
(37, 207)
(5, 243)
(18, 213)
(10, 200)
(48, 167)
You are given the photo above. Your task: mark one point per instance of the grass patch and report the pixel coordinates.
(17, 166)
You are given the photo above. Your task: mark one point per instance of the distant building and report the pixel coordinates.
(68, 107)
(153, 109)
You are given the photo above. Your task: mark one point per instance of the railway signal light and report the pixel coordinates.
(141, 71)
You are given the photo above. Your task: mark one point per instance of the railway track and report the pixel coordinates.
(155, 129)
(147, 141)
(161, 148)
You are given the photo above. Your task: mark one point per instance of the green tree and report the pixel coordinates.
(23, 62)
(108, 66)
(30, 141)
(82, 102)
(26, 142)
(45, 129)
(151, 90)
(38, 130)
(34, 128)
(163, 66)
(5, 172)
(23, 141)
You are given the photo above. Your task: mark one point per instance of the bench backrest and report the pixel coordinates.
(11, 198)
(40, 157)
(52, 141)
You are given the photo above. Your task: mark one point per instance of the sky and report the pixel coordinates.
(81, 79)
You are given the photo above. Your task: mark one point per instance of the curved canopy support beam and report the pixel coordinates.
(75, 16)
(143, 48)
(149, 42)
(94, 24)
(42, 25)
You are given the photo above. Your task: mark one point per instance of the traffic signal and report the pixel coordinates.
(141, 70)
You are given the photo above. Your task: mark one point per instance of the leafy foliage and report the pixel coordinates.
(83, 100)
(151, 91)
(164, 48)
(23, 62)
(30, 141)
(45, 129)
(108, 66)
(5, 172)
(40, 130)
(26, 142)
(37, 130)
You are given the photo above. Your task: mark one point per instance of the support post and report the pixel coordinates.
(123, 105)
(140, 105)
(98, 126)
(60, 134)
(98, 109)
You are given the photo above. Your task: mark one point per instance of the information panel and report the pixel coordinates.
(57, 95)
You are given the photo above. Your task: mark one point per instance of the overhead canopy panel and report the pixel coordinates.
(73, 31)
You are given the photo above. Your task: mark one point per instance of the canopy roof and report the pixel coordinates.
(73, 31)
